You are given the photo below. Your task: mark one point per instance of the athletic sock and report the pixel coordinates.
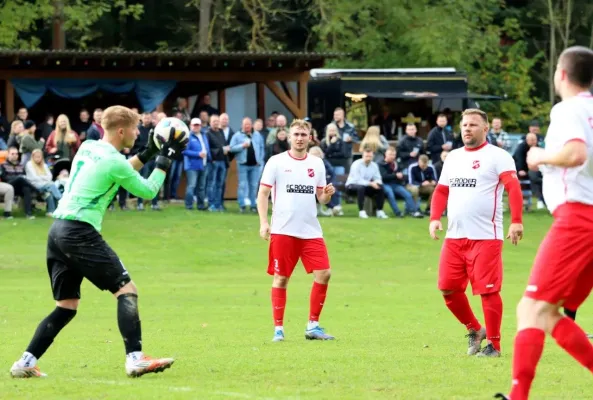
(574, 341)
(528, 348)
(492, 306)
(278, 305)
(458, 304)
(128, 321)
(316, 300)
(45, 334)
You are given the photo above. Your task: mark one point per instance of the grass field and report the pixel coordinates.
(204, 299)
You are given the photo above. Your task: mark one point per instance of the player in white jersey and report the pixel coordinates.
(295, 179)
(471, 188)
(562, 274)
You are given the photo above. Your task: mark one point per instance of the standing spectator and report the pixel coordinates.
(410, 147)
(363, 181)
(281, 123)
(422, 180)
(258, 126)
(314, 135)
(497, 136)
(280, 145)
(13, 173)
(205, 118)
(228, 135)
(376, 142)
(219, 152)
(22, 114)
(140, 145)
(334, 206)
(206, 106)
(63, 142)
(83, 124)
(535, 177)
(41, 177)
(195, 163)
(347, 133)
(394, 183)
(249, 150)
(439, 139)
(335, 149)
(181, 110)
(45, 128)
(28, 142)
(95, 132)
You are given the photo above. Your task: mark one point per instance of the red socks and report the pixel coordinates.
(574, 340)
(529, 344)
(492, 306)
(318, 293)
(458, 304)
(278, 305)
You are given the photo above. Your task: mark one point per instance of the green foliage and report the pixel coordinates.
(19, 19)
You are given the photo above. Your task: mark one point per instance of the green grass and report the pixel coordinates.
(204, 299)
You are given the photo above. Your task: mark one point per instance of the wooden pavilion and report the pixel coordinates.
(208, 71)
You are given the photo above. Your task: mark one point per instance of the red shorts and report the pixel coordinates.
(563, 267)
(285, 252)
(476, 261)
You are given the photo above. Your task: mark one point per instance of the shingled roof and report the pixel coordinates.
(160, 60)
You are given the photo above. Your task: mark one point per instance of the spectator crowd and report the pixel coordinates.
(366, 168)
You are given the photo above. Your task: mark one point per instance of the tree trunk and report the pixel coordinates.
(58, 34)
(203, 30)
(552, 58)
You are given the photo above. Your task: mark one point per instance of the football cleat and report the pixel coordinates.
(474, 340)
(278, 336)
(317, 333)
(501, 396)
(146, 365)
(26, 372)
(488, 351)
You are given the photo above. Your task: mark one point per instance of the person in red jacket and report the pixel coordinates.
(471, 188)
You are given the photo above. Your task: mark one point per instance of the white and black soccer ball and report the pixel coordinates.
(163, 129)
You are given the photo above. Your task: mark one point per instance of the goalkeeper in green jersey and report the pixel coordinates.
(76, 249)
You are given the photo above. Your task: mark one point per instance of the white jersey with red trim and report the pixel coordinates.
(571, 119)
(474, 207)
(294, 184)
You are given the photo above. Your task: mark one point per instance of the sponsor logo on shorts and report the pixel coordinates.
(463, 182)
(276, 268)
(302, 189)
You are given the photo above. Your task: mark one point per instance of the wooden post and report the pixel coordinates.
(9, 100)
(222, 100)
(283, 97)
(261, 101)
(302, 86)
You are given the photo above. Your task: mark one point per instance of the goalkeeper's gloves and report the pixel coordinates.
(171, 149)
(150, 151)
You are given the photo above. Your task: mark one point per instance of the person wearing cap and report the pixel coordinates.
(195, 162)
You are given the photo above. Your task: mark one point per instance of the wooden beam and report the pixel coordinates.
(289, 91)
(302, 86)
(222, 100)
(288, 103)
(180, 76)
(9, 100)
(261, 101)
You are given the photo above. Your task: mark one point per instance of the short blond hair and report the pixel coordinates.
(476, 111)
(316, 151)
(423, 159)
(300, 123)
(116, 117)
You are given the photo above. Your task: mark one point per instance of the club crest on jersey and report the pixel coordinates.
(311, 172)
(476, 164)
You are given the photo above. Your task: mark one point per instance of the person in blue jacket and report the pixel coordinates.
(195, 161)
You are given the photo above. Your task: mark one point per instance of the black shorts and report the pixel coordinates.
(75, 250)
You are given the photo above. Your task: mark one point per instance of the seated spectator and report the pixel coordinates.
(438, 166)
(330, 177)
(394, 183)
(28, 142)
(363, 181)
(63, 142)
(40, 176)
(374, 141)
(335, 149)
(280, 145)
(410, 147)
(14, 137)
(13, 173)
(314, 135)
(422, 180)
(7, 192)
(535, 177)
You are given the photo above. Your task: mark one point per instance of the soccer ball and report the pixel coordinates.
(163, 129)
